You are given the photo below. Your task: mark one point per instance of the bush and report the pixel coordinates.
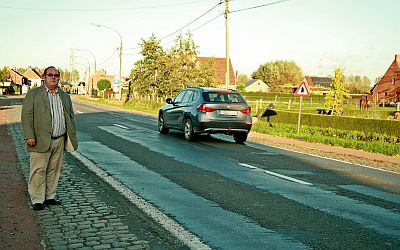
(387, 127)
(103, 84)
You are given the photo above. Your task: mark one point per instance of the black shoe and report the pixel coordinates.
(52, 202)
(38, 206)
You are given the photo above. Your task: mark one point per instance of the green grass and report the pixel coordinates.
(376, 143)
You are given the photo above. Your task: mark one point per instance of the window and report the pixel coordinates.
(223, 97)
(188, 97)
(179, 97)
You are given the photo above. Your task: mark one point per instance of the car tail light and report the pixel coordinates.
(246, 111)
(204, 108)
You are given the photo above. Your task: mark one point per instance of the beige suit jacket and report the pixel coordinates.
(36, 119)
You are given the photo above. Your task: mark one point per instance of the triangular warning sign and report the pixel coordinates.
(302, 90)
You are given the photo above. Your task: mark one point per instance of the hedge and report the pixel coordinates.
(388, 127)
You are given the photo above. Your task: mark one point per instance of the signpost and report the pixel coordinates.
(116, 85)
(301, 91)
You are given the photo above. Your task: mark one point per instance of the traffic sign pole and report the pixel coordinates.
(298, 120)
(301, 91)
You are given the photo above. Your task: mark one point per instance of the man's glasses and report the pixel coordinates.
(51, 75)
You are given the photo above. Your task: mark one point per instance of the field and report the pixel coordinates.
(312, 104)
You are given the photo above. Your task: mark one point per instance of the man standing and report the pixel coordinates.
(48, 122)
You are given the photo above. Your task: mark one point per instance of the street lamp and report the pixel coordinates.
(94, 57)
(94, 64)
(120, 55)
(91, 90)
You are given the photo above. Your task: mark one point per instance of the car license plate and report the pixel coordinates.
(228, 112)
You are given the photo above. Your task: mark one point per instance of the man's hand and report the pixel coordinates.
(31, 142)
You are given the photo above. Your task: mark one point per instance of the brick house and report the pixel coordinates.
(220, 71)
(388, 88)
(318, 83)
(34, 77)
(99, 75)
(19, 80)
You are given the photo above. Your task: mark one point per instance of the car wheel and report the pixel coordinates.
(161, 124)
(188, 130)
(240, 137)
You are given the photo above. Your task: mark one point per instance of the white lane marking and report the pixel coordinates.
(170, 225)
(327, 158)
(120, 126)
(276, 174)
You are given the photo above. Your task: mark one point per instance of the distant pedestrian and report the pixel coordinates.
(48, 122)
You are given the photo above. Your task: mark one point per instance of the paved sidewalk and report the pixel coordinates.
(83, 221)
(18, 229)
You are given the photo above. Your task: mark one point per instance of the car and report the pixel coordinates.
(202, 111)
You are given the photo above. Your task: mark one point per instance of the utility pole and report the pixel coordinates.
(227, 44)
(120, 70)
(120, 56)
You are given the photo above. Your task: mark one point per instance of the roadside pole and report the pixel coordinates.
(298, 120)
(301, 91)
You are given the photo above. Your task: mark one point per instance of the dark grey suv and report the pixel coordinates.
(198, 110)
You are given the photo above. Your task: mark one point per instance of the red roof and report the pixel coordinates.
(220, 69)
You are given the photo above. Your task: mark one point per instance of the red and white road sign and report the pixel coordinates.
(302, 90)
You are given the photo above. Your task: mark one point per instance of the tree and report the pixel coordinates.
(103, 84)
(337, 93)
(241, 82)
(188, 71)
(69, 76)
(277, 74)
(357, 84)
(162, 73)
(147, 74)
(4, 75)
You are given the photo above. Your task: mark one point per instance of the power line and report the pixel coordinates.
(108, 59)
(186, 25)
(259, 6)
(209, 21)
(192, 21)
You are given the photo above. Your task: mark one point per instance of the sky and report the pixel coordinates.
(359, 36)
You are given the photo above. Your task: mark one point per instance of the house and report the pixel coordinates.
(318, 83)
(220, 71)
(99, 75)
(256, 85)
(19, 80)
(102, 75)
(34, 78)
(388, 88)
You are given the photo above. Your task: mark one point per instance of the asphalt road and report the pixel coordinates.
(219, 194)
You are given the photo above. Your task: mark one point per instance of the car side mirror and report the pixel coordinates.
(169, 101)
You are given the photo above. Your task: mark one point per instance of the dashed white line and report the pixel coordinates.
(120, 126)
(276, 174)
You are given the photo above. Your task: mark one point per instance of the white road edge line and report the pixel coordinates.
(276, 174)
(329, 158)
(120, 126)
(167, 223)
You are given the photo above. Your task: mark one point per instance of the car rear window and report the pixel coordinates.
(226, 97)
